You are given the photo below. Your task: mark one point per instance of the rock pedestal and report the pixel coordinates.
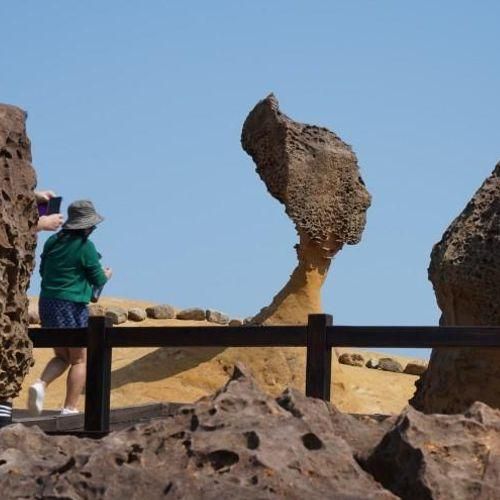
(18, 220)
(465, 273)
(315, 175)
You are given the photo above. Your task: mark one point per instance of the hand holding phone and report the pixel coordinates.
(51, 206)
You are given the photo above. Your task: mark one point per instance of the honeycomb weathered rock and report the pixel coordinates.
(316, 176)
(465, 273)
(19, 218)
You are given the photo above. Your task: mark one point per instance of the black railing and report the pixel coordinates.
(319, 336)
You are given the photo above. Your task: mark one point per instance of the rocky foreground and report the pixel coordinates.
(242, 443)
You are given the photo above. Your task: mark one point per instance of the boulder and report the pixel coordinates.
(415, 368)
(238, 443)
(465, 273)
(33, 316)
(18, 221)
(389, 365)
(216, 317)
(352, 358)
(136, 314)
(162, 311)
(192, 313)
(117, 315)
(440, 456)
(372, 363)
(96, 310)
(235, 322)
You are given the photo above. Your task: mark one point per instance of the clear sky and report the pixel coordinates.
(140, 106)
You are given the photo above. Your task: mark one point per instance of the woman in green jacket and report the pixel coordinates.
(70, 268)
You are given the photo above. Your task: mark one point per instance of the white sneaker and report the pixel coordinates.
(36, 396)
(69, 411)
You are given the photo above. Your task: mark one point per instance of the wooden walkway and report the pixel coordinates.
(52, 422)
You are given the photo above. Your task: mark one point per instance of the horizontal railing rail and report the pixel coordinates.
(319, 337)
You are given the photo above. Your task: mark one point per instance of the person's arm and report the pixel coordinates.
(49, 222)
(90, 261)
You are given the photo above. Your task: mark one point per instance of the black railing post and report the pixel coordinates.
(319, 357)
(98, 381)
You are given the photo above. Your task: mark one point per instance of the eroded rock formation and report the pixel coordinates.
(242, 443)
(17, 248)
(239, 443)
(316, 176)
(465, 273)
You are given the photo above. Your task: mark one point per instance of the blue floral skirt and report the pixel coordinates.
(57, 313)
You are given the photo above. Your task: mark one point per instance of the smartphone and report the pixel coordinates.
(53, 206)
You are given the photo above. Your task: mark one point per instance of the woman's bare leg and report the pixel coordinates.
(56, 366)
(76, 376)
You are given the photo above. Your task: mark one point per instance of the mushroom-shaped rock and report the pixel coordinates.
(465, 273)
(18, 220)
(316, 176)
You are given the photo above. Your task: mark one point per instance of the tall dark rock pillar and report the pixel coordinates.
(18, 220)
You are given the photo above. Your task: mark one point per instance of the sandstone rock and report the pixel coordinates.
(352, 358)
(465, 274)
(235, 322)
(372, 363)
(192, 313)
(389, 365)
(441, 456)
(33, 317)
(136, 314)
(248, 320)
(163, 311)
(216, 317)
(117, 315)
(415, 368)
(238, 443)
(96, 310)
(315, 175)
(18, 220)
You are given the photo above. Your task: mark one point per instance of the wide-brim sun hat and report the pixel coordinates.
(82, 215)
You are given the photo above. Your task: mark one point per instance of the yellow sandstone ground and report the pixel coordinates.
(145, 375)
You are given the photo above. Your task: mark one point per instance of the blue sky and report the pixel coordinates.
(141, 108)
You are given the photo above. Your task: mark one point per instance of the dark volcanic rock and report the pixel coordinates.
(239, 443)
(18, 220)
(441, 456)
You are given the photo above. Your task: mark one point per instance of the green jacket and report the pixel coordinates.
(69, 268)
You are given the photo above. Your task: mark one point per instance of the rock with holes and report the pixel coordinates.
(18, 221)
(161, 311)
(465, 273)
(192, 313)
(136, 314)
(238, 443)
(441, 456)
(352, 358)
(315, 175)
(216, 317)
(117, 315)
